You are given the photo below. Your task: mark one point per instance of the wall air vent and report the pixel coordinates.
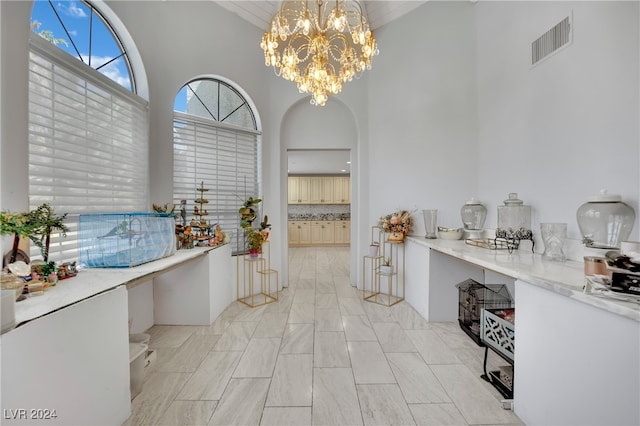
(551, 41)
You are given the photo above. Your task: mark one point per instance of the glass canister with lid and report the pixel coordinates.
(605, 221)
(514, 215)
(473, 214)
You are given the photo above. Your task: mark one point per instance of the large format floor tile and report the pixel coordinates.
(320, 355)
(474, 401)
(259, 359)
(384, 405)
(335, 399)
(242, 402)
(297, 339)
(291, 383)
(188, 357)
(330, 350)
(358, 328)
(286, 416)
(188, 413)
(416, 380)
(369, 363)
(392, 337)
(211, 378)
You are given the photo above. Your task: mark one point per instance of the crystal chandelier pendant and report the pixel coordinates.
(319, 45)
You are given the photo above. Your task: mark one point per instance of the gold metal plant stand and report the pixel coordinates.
(254, 269)
(375, 279)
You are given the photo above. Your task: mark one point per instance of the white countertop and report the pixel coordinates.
(92, 281)
(565, 278)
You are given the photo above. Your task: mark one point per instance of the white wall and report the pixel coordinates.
(14, 31)
(422, 114)
(567, 127)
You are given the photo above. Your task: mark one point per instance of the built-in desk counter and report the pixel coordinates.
(576, 355)
(564, 278)
(69, 356)
(92, 281)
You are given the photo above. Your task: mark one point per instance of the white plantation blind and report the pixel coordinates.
(225, 158)
(88, 142)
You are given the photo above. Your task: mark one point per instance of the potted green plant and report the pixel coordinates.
(18, 225)
(49, 272)
(255, 237)
(44, 222)
(247, 212)
(386, 268)
(254, 242)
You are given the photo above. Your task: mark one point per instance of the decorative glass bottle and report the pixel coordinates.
(605, 221)
(473, 214)
(514, 215)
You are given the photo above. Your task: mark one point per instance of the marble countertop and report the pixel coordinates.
(565, 278)
(92, 281)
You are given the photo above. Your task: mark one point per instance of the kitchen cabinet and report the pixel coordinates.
(322, 232)
(342, 190)
(318, 232)
(299, 190)
(342, 232)
(321, 188)
(299, 232)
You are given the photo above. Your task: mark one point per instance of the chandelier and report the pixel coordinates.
(319, 48)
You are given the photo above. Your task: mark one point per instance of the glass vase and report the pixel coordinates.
(553, 237)
(430, 223)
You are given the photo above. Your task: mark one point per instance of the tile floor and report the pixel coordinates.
(320, 355)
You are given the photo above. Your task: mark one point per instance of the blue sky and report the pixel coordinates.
(97, 41)
(91, 37)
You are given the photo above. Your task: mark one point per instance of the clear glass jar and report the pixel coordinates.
(514, 214)
(605, 221)
(473, 214)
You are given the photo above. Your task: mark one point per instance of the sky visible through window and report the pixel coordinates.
(84, 36)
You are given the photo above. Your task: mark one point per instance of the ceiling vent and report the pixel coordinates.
(552, 41)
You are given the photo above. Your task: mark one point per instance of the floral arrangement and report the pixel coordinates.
(398, 221)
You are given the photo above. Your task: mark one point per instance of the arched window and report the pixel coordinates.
(216, 143)
(88, 131)
(78, 28)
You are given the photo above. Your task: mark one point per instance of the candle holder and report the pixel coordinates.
(512, 238)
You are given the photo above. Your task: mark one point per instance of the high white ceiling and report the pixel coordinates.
(379, 12)
(259, 13)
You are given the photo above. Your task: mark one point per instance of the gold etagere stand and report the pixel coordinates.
(374, 276)
(253, 270)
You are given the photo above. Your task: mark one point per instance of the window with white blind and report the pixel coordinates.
(215, 144)
(88, 142)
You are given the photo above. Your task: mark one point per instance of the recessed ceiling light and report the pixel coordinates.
(348, 162)
(343, 170)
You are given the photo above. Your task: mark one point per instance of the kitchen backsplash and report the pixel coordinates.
(319, 212)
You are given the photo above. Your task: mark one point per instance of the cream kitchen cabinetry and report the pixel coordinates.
(341, 190)
(342, 232)
(322, 232)
(321, 188)
(299, 190)
(299, 232)
(325, 232)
